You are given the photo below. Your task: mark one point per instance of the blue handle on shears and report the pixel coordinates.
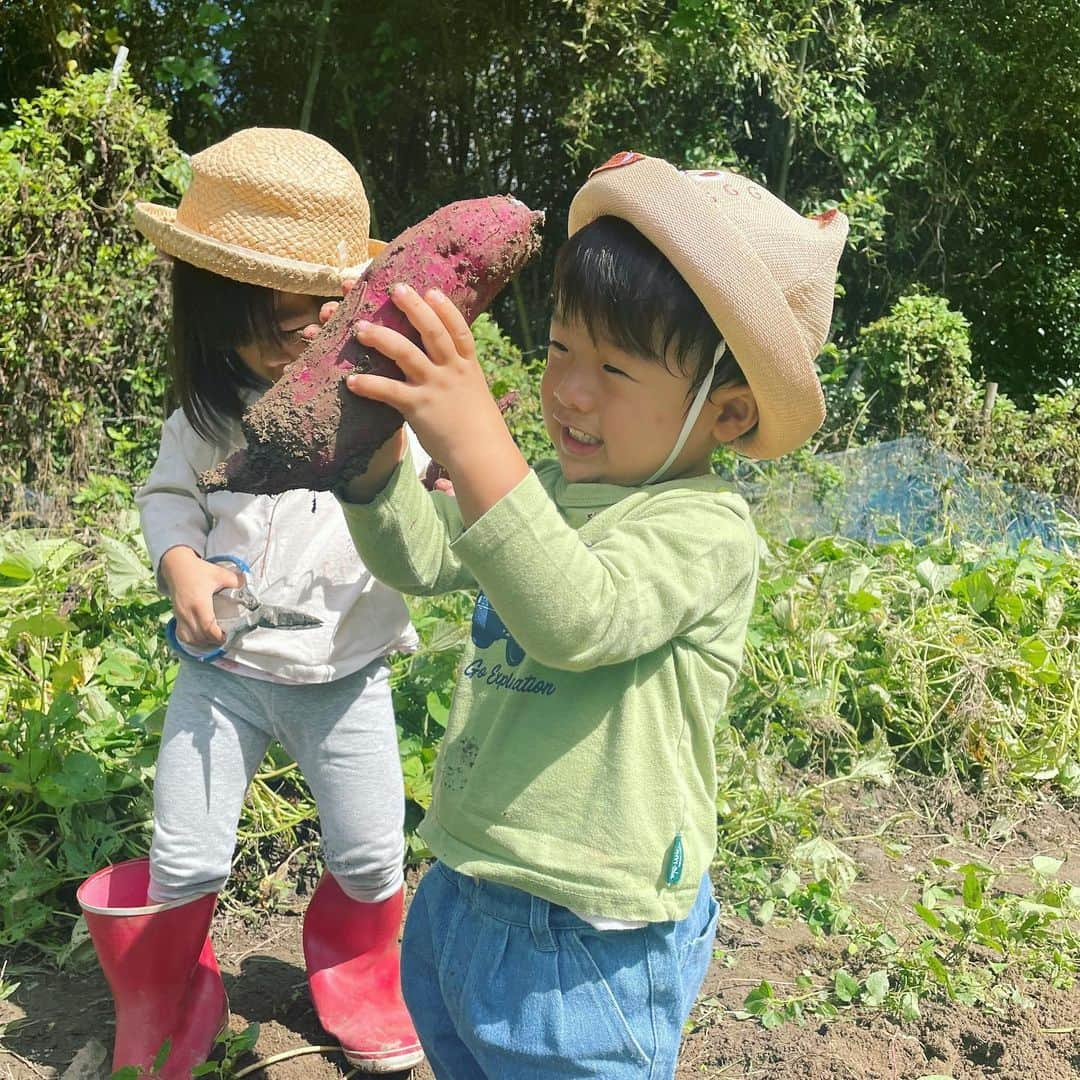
(170, 630)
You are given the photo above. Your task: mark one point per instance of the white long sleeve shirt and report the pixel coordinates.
(300, 553)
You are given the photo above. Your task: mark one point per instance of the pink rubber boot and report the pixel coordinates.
(351, 952)
(160, 967)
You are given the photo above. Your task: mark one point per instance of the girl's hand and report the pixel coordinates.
(191, 582)
(326, 312)
(444, 398)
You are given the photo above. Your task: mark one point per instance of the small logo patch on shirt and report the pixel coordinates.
(488, 628)
(673, 870)
(617, 161)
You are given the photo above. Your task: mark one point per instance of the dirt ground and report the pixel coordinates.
(53, 1017)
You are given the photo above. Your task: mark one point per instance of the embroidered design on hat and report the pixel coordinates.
(728, 187)
(617, 161)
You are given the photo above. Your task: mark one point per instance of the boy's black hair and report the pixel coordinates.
(212, 315)
(619, 285)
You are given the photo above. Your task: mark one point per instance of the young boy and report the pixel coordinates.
(568, 923)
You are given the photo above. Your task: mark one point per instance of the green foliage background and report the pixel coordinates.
(83, 308)
(948, 130)
(945, 660)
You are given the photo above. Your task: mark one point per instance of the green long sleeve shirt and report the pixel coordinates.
(607, 634)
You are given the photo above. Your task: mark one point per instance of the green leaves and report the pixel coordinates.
(935, 576)
(210, 14)
(772, 1010)
(845, 987)
(80, 779)
(80, 653)
(234, 1045)
(876, 988)
(44, 625)
(763, 1004)
(962, 660)
(1036, 654)
(23, 554)
(977, 588)
(83, 310)
(126, 568)
(973, 886)
(122, 667)
(825, 862)
(1046, 865)
(437, 710)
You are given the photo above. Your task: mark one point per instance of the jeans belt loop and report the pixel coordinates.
(539, 910)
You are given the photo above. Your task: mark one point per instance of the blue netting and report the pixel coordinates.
(907, 488)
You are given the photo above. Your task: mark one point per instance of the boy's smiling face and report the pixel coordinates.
(614, 416)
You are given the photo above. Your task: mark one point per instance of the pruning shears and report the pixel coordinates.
(239, 610)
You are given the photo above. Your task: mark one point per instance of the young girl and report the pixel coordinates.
(272, 222)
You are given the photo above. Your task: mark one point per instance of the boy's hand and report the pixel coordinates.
(445, 399)
(191, 582)
(365, 488)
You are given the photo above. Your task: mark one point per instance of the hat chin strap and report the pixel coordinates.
(691, 416)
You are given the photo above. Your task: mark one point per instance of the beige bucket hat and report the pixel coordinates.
(270, 206)
(765, 273)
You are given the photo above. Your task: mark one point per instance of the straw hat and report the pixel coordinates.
(765, 274)
(269, 206)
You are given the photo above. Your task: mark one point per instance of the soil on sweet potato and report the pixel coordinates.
(308, 430)
(54, 1015)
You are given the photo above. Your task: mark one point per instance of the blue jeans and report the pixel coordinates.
(503, 985)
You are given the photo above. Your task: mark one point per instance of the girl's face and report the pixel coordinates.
(268, 359)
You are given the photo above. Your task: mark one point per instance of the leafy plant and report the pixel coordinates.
(965, 661)
(82, 692)
(233, 1044)
(507, 372)
(83, 302)
(976, 943)
(914, 374)
(85, 676)
(423, 684)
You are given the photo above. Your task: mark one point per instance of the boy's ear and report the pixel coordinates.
(737, 412)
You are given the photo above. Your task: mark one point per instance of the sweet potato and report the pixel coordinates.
(309, 430)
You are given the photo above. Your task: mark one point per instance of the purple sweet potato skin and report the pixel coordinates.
(308, 430)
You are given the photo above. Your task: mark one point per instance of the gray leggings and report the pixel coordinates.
(217, 728)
